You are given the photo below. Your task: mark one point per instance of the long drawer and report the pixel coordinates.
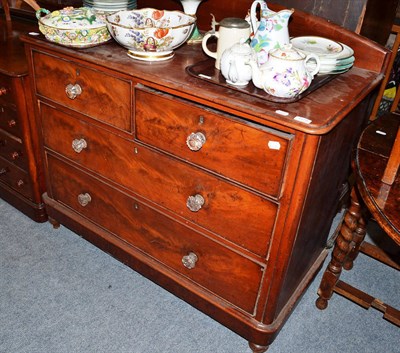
(248, 153)
(189, 253)
(15, 178)
(248, 218)
(97, 94)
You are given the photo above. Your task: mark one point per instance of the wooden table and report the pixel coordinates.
(375, 152)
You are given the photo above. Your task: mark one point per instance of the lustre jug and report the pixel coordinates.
(270, 32)
(287, 73)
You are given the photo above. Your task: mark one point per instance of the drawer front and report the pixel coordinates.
(232, 212)
(218, 269)
(15, 178)
(244, 152)
(6, 92)
(11, 149)
(9, 120)
(96, 94)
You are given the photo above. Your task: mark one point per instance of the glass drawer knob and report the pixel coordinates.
(73, 91)
(189, 260)
(84, 199)
(78, 145)
(195, 203)
(195, 141)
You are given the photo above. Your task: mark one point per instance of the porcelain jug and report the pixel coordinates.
(231, 30)
(270, 32)
(234, 64)
(287, 73)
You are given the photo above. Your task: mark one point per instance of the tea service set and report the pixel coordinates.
(259, 49)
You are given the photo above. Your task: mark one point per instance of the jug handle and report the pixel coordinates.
(316, 58)
(253, 13)
(213, 54)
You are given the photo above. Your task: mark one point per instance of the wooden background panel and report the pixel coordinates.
(366, 16)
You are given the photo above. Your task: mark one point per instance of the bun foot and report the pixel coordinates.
(54, 223)
(257, 348)
(321, 303)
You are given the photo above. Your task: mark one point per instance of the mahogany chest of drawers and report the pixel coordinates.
(20, 181)
(215, 195)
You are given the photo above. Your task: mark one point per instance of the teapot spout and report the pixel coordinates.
(256, 74)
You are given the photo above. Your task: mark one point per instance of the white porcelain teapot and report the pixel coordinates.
(234, 64)
(287, 73)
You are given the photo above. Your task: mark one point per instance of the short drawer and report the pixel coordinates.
(11, 149)
(96, 94)
(15, 178)
(223, 272)
(232, 212)
(9, 120)
(248, 153)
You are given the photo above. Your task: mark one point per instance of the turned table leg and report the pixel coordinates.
(341, 250)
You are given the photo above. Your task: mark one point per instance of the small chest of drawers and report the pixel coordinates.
(21, 182)
(209, 193)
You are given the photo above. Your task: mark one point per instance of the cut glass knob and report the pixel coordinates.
(73, 91)
(195, 203)
(189, 261)
(84, 199)
(195, 141)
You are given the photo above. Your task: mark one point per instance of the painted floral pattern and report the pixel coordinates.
(148, 29)
(290, 81)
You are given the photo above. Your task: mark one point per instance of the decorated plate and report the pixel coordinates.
(317, 45)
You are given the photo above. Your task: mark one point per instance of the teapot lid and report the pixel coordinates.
(241, 48)
(287, 52)
(233, 22)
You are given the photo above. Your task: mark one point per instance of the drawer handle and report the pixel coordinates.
(3, 91)
(4, 171)
(84, 199)
(78, 145)
(12, 123)
(20, 183)
(195, 141)
(73, 91)
(195, 203)
(15, 155)
(189, 260)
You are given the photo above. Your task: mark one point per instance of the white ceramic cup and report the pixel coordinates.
(231, 31)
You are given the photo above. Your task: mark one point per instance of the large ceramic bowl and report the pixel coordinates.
(150, 34)
(73, 27)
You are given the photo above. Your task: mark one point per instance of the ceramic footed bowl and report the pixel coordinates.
(150, 34)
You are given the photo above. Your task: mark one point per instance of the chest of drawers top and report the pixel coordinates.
(316, 113)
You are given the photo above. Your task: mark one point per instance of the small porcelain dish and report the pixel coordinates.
(150, 34)
(73, 27)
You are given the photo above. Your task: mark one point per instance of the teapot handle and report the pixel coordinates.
(312, 70)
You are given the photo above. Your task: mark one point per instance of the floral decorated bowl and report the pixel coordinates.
(73, 27)
(150, 34)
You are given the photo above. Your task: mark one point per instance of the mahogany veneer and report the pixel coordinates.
(237, 228)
